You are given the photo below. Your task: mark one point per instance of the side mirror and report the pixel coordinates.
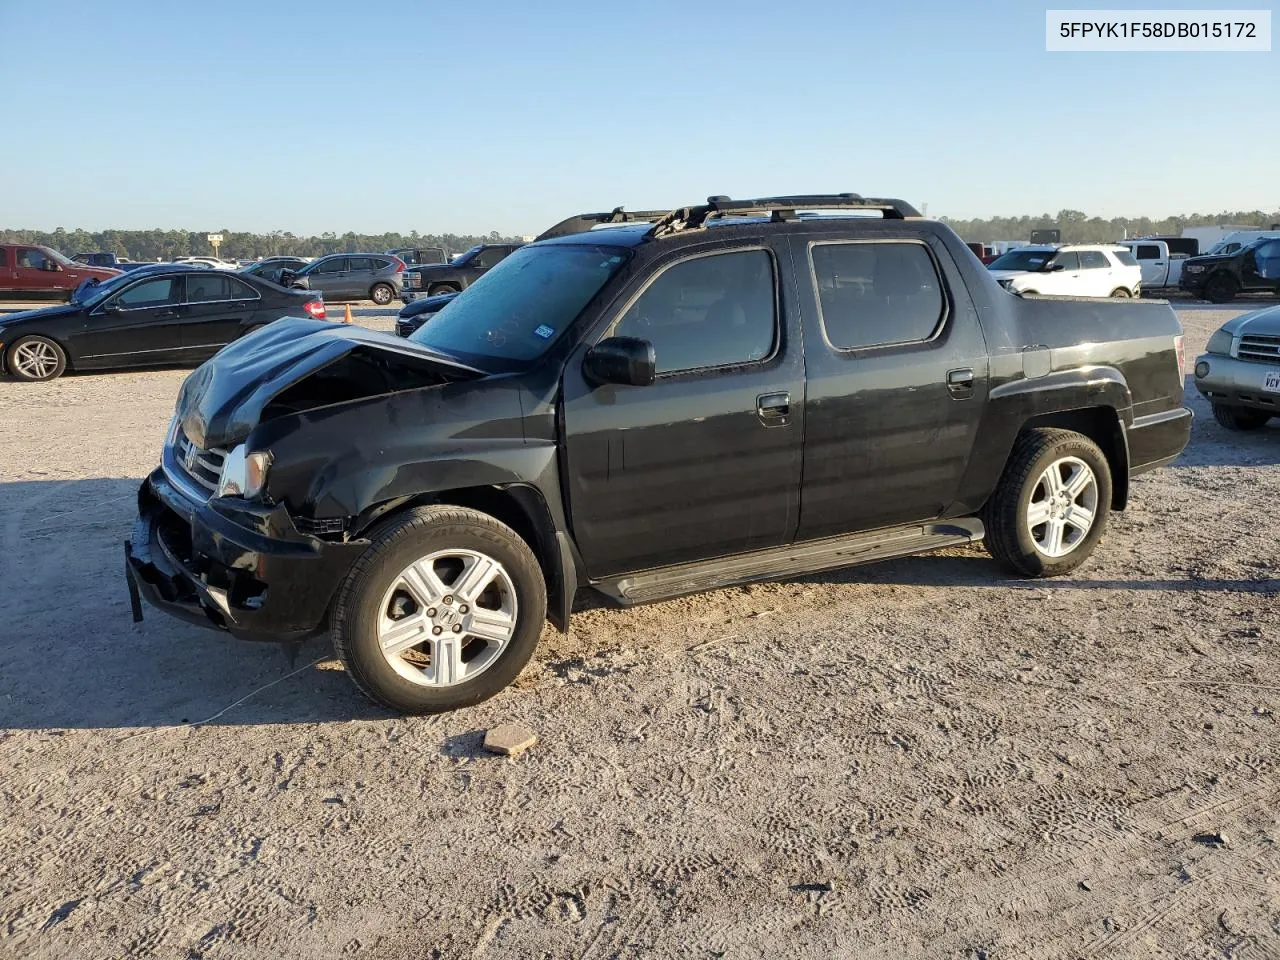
(112, 308)
(625, 360)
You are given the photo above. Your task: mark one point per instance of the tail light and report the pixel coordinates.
(315, 308)
(400, 265)
(1182, 357)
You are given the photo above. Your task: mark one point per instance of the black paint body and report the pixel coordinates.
(607, 480)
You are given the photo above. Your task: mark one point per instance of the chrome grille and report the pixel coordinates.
(202, 466)
(411, 281)
(1254, 346)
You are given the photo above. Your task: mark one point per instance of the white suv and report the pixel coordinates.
(1075, 270)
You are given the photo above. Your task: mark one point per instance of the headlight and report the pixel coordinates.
(1194, 268)
(1220, 342)
(243, 474)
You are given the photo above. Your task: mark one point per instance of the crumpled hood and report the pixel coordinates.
(223, 399)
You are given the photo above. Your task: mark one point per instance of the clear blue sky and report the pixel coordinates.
(397, 116)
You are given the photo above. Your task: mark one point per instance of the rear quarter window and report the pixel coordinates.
(1125, 257)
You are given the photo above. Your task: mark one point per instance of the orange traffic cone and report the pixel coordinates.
(347, 316)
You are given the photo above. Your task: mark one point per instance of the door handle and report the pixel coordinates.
(960, 383)
(774, 409)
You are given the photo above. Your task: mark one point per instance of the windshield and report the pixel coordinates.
(1022, 260)
(517, 310)
(467, 254)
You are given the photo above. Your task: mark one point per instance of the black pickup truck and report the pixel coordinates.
(1254, 268)
(433, 279)
(738, 390)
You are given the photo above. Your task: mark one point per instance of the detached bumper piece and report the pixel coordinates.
(247, 571)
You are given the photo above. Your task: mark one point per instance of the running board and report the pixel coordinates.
(790, 561)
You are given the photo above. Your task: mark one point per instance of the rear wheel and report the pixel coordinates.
(1221, 288)
(1240, 418)
(1120, 293)
(1051, 506)
(442, 611)
(36, 358)
(381, 294)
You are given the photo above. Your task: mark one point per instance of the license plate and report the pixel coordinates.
(1271, 382)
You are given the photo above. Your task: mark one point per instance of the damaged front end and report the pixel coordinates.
(215, 543)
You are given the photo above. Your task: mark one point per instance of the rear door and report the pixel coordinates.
(359, 277)
(1155, 266)
(1096, 274)
(139, 325)
(216, 309)
(705, 461)
(897, 380)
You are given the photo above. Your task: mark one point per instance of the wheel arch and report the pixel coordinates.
(521, 507)
(1102, 425)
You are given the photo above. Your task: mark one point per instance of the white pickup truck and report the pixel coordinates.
(1160, 268)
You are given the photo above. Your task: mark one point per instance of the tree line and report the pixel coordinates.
(1078, 227)
(236, 245)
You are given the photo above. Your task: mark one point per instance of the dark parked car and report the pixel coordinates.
(110, 260)
(351, 276)
(168, 314)
(272, 268)
(458, 275)
(30, 270)
(1251, 269)
(92, 285)
(732, 393)
(417, 312)
(417, 256)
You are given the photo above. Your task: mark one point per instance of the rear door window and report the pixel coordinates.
(359, 264)
(213, 287)
(1093, 260)
(711, 311)
(877, 294)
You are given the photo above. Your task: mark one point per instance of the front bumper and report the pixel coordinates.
(1237, 383)
(242, 568)
(1194, 282)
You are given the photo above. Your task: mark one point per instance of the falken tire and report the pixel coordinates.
(1009, 535)
(1239, 418)
(396, 545)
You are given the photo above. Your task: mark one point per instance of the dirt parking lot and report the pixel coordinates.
(921, 758)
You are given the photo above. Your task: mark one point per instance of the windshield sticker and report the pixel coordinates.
(543, 331)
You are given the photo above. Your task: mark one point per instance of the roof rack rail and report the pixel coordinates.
(582, 222)
(778, 208)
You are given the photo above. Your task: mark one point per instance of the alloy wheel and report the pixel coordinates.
(1063, 506)
(35, 359)
(447, 617)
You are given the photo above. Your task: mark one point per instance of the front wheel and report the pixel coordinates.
(1051, 506)
(1240, 418)
(36, 358)
(1221, 288)
(442, 610)
(1120, 293)
(381, 294)
(441, 288)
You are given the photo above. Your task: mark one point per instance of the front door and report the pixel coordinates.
(897, 378)
(35, 272)
(1063, 278)
(331, 278)
(216, 310)
(705, 461)
(137, 326)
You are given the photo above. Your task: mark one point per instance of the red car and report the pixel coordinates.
(28, 271)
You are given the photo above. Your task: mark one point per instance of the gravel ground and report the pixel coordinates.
(921, 758)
